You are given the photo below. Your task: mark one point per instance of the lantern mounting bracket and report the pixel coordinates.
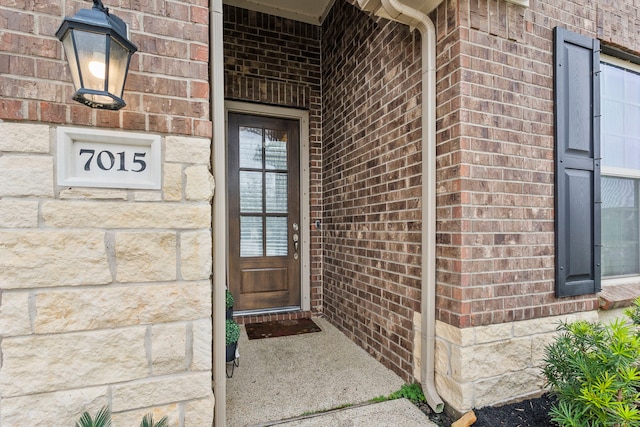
(97, 4)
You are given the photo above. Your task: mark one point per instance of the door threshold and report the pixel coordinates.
(283, 313)
(261, 311)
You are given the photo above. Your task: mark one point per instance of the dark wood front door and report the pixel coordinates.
(264, 212)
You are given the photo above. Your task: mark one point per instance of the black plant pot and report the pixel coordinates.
(231, 351)
(229, 312)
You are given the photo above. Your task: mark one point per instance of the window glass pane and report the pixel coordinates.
(613, 116)
(250, 236)
(632, 160)
(250, 191)
(620, 227)
(277, 236)
(632, 120)
(632, 84)
(250, 140)
(613, 150)
(275, 147)
(276, 194)
(613, 82)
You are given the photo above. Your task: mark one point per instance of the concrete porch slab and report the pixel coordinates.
(286, 377)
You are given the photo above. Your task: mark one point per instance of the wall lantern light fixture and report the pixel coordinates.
(99, 53)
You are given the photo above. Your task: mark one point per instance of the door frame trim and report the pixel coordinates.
(305, 207)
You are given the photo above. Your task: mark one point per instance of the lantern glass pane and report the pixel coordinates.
(91, 48)
(67, 42)
(118, 64)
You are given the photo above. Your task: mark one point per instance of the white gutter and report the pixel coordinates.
(399, 11)
(218, 162)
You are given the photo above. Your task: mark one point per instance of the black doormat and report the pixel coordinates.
(280, 328)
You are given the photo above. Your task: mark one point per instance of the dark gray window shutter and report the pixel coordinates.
(577, 185)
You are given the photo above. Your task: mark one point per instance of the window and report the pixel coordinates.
(620, 182)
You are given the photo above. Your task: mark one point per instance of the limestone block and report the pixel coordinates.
(120, 306)
(44, 258)
(195, 254)
(161, 391)
(538, 347)
(417, 346)
(14, 314)
(125, 215)
(45, 363)
(463, 337)
(199, 183)
(180, 149)
(61, 408)
(172, 183)
(24, 138)
(26, 176)
(535, 326)
(202, 335)
(490, 360)
(92, 193)
(133, 418)
(18, 214)
(168, 349)
(442, 357)
(145, 257)
(607, 316)
(492, 333)
(458, 395)
(199, 413)
(147, 196)
(507, 387)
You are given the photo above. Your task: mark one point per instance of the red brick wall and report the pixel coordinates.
(167, 89)
(276, 61)
(495, 153)
(372, 182)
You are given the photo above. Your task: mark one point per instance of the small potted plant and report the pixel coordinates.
(229, 303)
(232, 336)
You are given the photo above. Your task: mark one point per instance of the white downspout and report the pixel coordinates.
(417, 19)
(218, 161)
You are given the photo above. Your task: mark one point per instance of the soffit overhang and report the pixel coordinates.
(309, 11)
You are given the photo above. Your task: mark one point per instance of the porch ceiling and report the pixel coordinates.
(310, 11)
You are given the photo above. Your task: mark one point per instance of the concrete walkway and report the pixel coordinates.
(297, 376)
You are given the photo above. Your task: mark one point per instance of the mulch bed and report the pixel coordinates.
(528, 413)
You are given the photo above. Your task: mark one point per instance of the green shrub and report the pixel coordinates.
(232, 330)
(147, 421)
(228, 299)
(592, 369)
(103, 419)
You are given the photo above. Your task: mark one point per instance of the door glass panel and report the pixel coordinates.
(620, 227)
(277, 236)
(250, 236)
(250, 191)
(276, 192)
(250, 147)
(275, 147)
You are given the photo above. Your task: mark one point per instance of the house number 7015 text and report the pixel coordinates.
(106, 160)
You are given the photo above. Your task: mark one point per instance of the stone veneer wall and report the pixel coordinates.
(371, 182)
(105, 295)
(276, 61)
